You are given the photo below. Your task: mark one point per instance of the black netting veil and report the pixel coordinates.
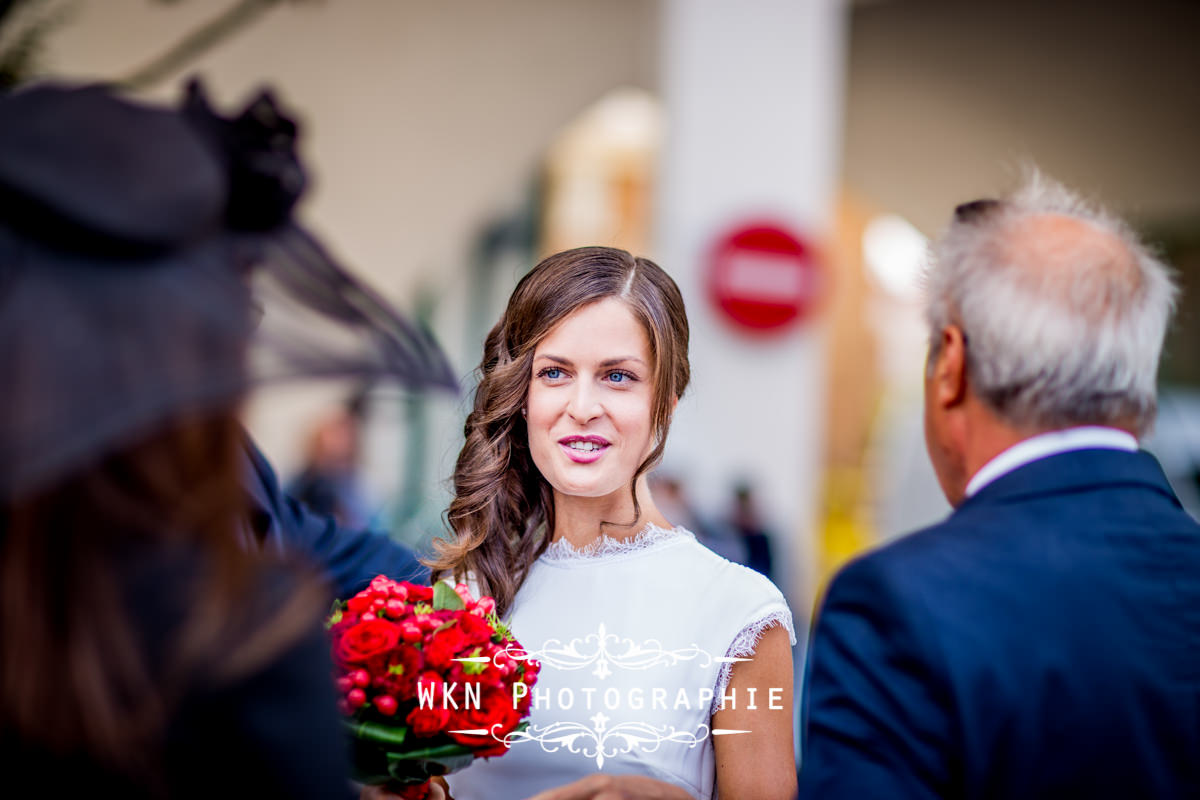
(150, 266)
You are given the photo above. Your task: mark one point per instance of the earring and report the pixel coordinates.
(524, 411)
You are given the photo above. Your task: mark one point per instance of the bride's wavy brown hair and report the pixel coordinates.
(503, 509)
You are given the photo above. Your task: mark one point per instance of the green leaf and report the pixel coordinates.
(374, 732)
(446, 599)
(436, 753)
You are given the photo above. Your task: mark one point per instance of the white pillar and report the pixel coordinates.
(753, 96)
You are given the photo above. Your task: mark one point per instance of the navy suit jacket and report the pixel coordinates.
(349, 558)
(1041, 642)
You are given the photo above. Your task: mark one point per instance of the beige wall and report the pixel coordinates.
(423, 121)
(943, 96)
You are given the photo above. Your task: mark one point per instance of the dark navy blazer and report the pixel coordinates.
(1041, 642)
(350, 558)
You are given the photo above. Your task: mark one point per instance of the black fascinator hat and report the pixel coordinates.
(150, 266)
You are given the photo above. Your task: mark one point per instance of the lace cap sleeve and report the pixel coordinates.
(745, 643)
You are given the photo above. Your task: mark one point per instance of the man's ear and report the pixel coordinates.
(948, 382)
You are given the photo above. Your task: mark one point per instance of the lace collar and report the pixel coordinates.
(606, 547)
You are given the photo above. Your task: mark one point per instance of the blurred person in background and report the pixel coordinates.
(554, 517)
(1044, 640)
(328, 482)
(349, 556)
(147, 651)
(747, 521)
(671, 496)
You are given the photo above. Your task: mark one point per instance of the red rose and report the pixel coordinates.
(419, 594)
(441, 647)
(362, 642)
(427, 722)
(475, 630)
(495, 715)
(400, 677)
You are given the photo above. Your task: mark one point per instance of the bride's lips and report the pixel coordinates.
(592, 448)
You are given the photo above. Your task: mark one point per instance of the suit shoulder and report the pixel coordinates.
(914, 565)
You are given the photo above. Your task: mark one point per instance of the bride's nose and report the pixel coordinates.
(584, 403)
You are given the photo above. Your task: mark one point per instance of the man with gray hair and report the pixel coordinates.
(1044, 640)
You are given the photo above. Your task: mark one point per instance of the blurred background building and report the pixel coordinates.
(783, 159)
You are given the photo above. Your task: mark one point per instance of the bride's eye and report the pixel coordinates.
(617, 376)
(553, 373)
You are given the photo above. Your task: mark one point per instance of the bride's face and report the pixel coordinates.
(589, 403)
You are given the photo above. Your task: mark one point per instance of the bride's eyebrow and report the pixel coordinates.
(612, 362)
(608, 362)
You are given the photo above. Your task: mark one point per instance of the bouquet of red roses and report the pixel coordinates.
(429, 678)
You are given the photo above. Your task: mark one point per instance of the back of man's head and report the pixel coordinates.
(1063, 309)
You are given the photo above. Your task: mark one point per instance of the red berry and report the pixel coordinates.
(487, 604)
(356, 697)
(410, 632)
(399, 591)
(395, 606)
(367, 617)
(344, 707)
(360, 677)
(386, 704)
(344, 684)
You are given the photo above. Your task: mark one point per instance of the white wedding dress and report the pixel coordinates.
(630, 635)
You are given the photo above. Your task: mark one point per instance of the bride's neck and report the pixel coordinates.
(578, 519)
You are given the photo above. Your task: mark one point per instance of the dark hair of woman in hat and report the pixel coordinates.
(136, 631)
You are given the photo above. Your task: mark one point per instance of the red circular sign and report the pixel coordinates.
(762, 277)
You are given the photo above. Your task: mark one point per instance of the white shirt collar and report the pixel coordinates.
(1049, 444)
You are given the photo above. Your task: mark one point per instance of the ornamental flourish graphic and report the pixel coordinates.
(600, 741)
(607, 650)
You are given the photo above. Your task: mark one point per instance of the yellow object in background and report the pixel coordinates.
(846, 529)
